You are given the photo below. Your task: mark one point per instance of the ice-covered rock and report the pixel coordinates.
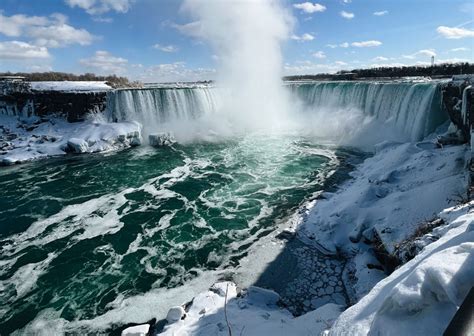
(138, 330)
(175, 314)
(161, 139)
(75, 145)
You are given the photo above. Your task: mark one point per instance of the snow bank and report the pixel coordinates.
(70, 86)
(394, 191)
(422, 296)
(254, 312)
(25, 139)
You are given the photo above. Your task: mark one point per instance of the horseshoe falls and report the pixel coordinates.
(89, 244)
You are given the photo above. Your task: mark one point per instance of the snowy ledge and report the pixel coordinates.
(26, 139)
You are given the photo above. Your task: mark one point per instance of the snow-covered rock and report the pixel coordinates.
(138, 330)
(76, 145)
(161, 139)
(33, 138)
(175, 314)
(422, 296)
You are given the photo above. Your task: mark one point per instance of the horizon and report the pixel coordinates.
(159, 41)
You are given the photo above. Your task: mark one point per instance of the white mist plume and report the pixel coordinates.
(246, 37)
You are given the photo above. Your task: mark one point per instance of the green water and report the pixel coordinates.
(81, 232)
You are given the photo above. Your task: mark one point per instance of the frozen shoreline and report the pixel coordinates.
(388, 178)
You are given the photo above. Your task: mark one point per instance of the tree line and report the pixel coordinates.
(438, 70)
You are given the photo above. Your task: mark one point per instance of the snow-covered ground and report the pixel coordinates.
(25, 139)
(391, 194)
(70, 86)
(422, 296)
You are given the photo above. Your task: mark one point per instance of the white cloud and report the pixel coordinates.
(366, 44)
(340, 63)
(105, 63)
(52, 31)
(347, 1)
(309, 7)
(344, 45)
(13, 50)
(380, 59)
(97, 7)
(102, 19)
(308, 67)
(304, 37)
(454, 32)
(332, 46)
(319, 54)
(347, 15)
(424, 52)
(381, 13)
(459, 49)
(165, 48)
(174, 72)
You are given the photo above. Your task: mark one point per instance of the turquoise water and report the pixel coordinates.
(81, 232)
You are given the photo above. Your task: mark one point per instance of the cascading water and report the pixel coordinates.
(413, 109)
(155, 107)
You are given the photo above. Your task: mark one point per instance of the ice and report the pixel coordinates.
(253, 313)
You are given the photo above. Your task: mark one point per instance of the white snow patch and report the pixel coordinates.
(70, 86)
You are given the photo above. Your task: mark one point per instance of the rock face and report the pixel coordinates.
(74, 106)
(453, 101)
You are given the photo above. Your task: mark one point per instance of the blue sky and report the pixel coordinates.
(149, 39)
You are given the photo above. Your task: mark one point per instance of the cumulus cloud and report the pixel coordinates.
(304, 37)
(424, 52)
(454, 32)
(105, 63)
(309, 7)
(347, 15)
(381, 13)
(97, 7)
(165, 48)
(344, 45)
(52, 31)
(14, 50)
(319, 54)
(366, 44)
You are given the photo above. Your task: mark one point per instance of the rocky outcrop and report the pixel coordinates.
(73, 106)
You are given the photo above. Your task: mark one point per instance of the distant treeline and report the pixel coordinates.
(113, 80)
(439, 70)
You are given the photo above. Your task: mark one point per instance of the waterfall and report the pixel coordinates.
(413, 108)
(153, 107)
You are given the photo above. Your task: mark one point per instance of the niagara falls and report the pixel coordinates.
(236, 167)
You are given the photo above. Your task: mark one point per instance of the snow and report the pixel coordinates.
(26, 139)
(253, 312)
(422, 296)
(139, 330)
(70, 86)
(394, 191)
